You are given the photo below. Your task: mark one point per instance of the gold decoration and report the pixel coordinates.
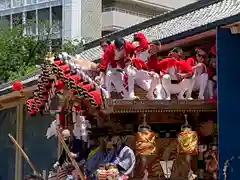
(187, 140)
(145, 143)
(145, 140)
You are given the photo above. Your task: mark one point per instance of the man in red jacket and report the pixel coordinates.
(119, 55)
(142, 47)
(176, 78)
(200, 78)
(108, 75)
(149, 74)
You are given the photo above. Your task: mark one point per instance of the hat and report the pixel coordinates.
(119, 42)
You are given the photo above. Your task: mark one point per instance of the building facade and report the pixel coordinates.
(88, 19)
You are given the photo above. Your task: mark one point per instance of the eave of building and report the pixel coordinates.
(155, 5)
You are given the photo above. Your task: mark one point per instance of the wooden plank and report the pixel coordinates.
(15, 98)
(135, 106)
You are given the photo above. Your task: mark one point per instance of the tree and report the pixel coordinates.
(19, 53)
(73, 47)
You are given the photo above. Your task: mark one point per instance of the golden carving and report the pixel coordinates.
(188, 141)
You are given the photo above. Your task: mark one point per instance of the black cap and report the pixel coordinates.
(119, 42)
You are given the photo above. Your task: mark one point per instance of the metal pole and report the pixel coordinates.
(50, 26)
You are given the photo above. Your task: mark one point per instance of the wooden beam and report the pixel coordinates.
(16, 98)
(188, 40)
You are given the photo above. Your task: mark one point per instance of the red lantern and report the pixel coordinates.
(59, 85)
(17, 85)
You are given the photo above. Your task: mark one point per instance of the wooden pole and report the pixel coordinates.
(24, 155)
(74, 163)
(20, 138)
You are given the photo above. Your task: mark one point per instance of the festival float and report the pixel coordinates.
(172, 139)
(168, 137)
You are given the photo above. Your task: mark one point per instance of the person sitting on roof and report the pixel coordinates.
(113, 77)
(200, 77)
(120, 55)
(142, 47)
(212, 74)
(149, 73)
(177, 74)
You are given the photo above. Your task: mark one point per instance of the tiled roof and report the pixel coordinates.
(189, 21)
(26, 81)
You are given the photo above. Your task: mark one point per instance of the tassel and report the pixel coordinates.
(52, 130)
(74, 115)
(77, 127)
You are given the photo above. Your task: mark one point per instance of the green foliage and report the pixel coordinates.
(19, 53)
(72, 47)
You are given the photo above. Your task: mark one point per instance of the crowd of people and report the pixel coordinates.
(125, 64)
(110, 150)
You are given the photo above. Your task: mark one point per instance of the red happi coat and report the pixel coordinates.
(153, 64)
(109, 56)
(181, 66)
(143, 42)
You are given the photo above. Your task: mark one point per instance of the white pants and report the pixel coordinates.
(210, 88)
(179, 89)
(199, 82)
(115, 78)
(149, 83)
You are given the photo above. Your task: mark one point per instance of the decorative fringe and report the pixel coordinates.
(81, 128)
(52, 130)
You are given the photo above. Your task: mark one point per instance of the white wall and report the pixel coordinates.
(82, 19)
(111, 19)
(91, 18)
